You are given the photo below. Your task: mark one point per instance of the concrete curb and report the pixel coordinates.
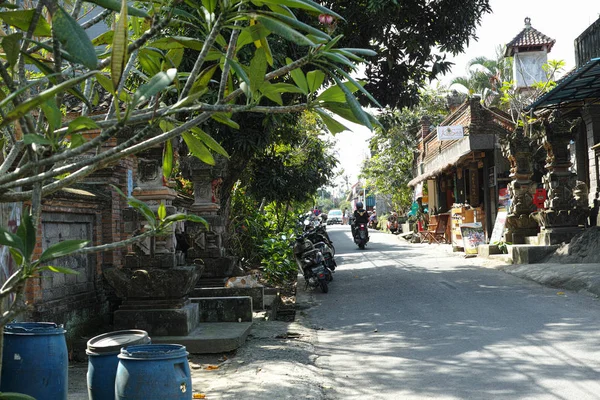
(574, 277)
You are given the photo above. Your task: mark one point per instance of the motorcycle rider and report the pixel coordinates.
(359, 216)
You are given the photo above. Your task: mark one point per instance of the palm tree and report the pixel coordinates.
(485, 77)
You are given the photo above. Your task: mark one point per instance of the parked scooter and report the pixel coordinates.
(317, 231)
(324, 246)
(311, 264)
(392, 223)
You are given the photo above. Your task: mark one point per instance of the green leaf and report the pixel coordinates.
(140, 206)
(155, 85)
(210, 142)
(119, 47)
(239, 71)
(52, 77)
(81, 124)
(16, 255)
(28, 234)
(22, 19)
(301, 4)
(271, 93)
(162, 211)
(252, 33)
(359, 86)
(354, 105)
(144, 209)
(197, 148)
(171, 42)
(61, 270)
(150, 60)
(11, 45)
(283, 10)
(224, 119)
(77, 140)
(62, 249)
(360, 52)
(335, 93)
(167, 159)
(257, 70)
(341, 109)
(332, 125)
(32, 138)
(52, 113)
(287, 88)
(23, 108)
(315, 79)
(294, 22)
(284, 30)
(210, 5)
(106, 83)
(298, 77)
(11, 240)
(115, 5)
(186, 217)
(73, 38)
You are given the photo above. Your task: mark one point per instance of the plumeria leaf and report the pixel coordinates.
(62, 249)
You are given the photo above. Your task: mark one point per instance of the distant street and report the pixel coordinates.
(405, 321)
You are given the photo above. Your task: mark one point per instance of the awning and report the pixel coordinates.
(580, 87)
(451, 156)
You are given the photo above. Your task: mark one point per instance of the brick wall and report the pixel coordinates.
(92, 211)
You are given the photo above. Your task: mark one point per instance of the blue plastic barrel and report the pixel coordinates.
(103, 351)
(153, 372)
(35, 360)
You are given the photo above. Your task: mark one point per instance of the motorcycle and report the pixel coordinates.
(321, 243)
(361, 235)
(311, 264)
(373, 221)
(392, 223)
(316, 231)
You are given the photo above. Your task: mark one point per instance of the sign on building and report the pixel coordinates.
(453, 132)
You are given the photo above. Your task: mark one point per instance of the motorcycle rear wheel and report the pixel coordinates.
(324, 286)
(361, 246)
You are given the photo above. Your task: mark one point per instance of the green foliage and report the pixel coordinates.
(410, 37)
(393, 145)
(258, 241)
(278, 262)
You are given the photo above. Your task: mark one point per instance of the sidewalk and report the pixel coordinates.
(276, 362)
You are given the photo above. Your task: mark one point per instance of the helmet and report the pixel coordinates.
(359, 204)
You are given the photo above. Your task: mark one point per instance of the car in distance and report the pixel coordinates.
(334, 217)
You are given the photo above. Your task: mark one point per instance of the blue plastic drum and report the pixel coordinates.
(103, 351)
(35, 360)
(153, 372)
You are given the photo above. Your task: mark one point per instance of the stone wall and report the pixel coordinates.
(83, 302)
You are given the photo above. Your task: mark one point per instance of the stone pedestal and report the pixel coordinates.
(155, 299)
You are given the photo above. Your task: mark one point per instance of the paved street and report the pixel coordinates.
(404, 321)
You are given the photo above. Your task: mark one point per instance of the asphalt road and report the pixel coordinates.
(405, 321)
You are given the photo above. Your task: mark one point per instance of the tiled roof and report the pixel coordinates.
(528, 37)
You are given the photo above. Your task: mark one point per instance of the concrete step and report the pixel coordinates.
(256, 293)
(211, 337)
(224, 309)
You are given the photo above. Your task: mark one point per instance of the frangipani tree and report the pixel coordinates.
(48, 63)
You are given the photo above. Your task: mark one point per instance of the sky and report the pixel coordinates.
(560, 20)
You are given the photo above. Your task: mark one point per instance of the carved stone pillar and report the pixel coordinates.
(154, 289)
(565, 215)
(207, 243)
(519, 222)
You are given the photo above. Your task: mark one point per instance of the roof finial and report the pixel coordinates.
(527, 22)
